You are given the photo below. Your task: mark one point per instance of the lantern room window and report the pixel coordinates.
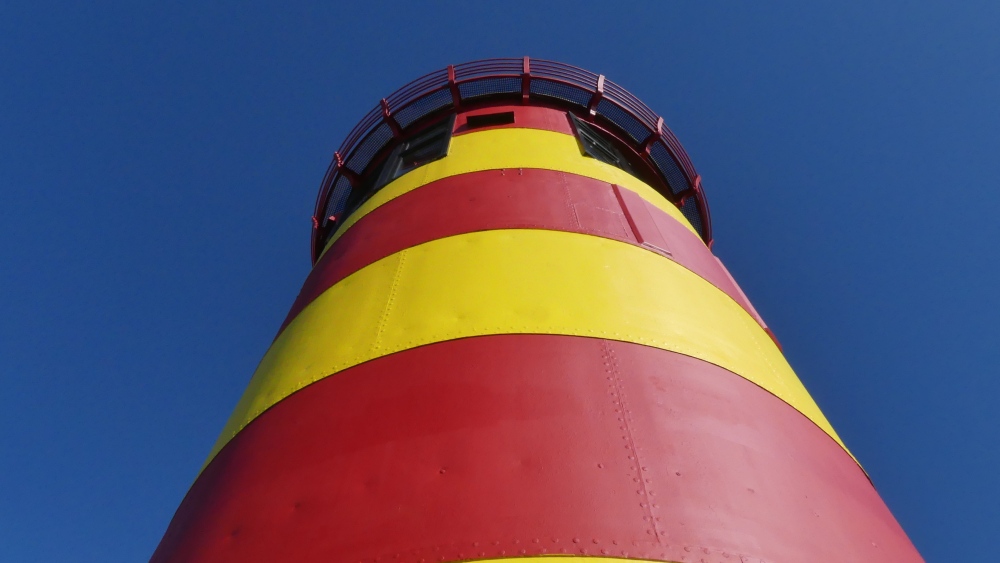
(424, 148)
(594, 144)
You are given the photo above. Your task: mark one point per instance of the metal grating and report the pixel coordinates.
(338, 200)
(488, 87)
(550, 89)
(369, 148)
(693, 215)
(668, 168)
(624, 120)
(431, 103)
(425, 84)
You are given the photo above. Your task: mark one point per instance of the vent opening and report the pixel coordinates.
(490, 119)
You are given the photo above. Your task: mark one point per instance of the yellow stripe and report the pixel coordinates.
(510, 282)
(512, 148)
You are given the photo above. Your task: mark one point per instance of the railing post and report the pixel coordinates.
(597, 96)
(525, 80)
(647, 145)
(344, 171)
(456, 96)
(387, 117)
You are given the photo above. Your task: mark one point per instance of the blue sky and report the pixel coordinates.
(158, 167)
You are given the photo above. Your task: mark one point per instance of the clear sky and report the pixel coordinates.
(158, 167)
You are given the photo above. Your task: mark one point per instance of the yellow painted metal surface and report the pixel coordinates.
(512, 149)
(517, 281)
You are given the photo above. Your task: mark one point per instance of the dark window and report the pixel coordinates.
(490, 119)
(594, 144)
(426, 147)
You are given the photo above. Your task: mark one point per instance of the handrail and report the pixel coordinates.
(599, 91)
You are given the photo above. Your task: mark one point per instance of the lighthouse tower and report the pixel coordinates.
(516, 342)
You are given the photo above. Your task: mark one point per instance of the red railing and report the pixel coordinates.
(533, 81)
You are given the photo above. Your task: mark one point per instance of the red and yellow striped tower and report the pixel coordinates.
(517, 343)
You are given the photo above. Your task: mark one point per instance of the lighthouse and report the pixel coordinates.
(516, 343)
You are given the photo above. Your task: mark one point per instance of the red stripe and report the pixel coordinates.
(525, 117)
(512, 199)
(531, 444)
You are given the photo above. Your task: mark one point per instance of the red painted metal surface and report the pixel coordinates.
(513, 199)
(538, 81)
(526, 117)
(529, 444)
